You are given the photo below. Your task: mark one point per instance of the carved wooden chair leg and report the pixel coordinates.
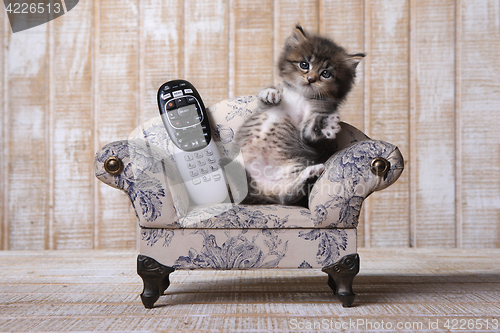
(155, 277)
(331, 284)
(340, 277)
(164, 284)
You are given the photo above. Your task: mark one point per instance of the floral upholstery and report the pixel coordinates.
(231, 236)
(240, 248)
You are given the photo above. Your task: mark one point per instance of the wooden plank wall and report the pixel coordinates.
(430, 84)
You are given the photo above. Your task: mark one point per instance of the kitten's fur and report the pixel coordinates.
(287, 141)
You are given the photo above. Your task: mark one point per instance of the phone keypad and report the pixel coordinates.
(201, 166)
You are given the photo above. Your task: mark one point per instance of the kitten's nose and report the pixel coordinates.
(311, 78)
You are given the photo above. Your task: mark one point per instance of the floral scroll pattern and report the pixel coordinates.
(346, 171)
(236, 252)
(140, 179)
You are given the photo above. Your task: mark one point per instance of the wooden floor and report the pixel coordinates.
(397, 290)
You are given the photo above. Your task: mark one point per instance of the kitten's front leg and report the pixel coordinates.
(319, 126)
(331, 126)
(270, 95)
(311, 172)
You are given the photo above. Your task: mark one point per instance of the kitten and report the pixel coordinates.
(285, 143)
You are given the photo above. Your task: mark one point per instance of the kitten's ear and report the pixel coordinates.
(354, 59)
(299, 35)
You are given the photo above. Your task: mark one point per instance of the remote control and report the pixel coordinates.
(196, 154)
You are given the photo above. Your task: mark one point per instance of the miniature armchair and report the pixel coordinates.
(175, 235)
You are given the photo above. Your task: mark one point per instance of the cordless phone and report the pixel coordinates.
(196, 154)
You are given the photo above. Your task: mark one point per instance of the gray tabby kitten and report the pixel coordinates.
(285, 143)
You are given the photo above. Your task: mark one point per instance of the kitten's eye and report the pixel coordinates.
(326, 74)
(304, 65)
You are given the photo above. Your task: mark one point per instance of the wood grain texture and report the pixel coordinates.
(117, 74)
(432, 123)
(429, 84)
(4, 148)
(72, 131)
(161, 56)
(252, 51)
(206, 50)
(480, 119)
(388, 49)
(61, 291)
(28, 177)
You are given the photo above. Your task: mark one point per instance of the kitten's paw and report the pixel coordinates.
(270, 96)
(331, 126)
(313, 171)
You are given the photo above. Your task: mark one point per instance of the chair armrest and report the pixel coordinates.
(148, 176)
(338, 194)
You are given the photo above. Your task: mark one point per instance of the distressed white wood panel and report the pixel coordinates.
(432, 122)
(109, 58)
(343, 22)
(387, 42)
(252, 49)
(206, 50)
(480, 123)
(4, 115)
(28, 174)
(161, 50)
(73, 167)
(116, 109)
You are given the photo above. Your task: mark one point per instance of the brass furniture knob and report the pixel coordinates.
(379, 166)
(113, 165)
